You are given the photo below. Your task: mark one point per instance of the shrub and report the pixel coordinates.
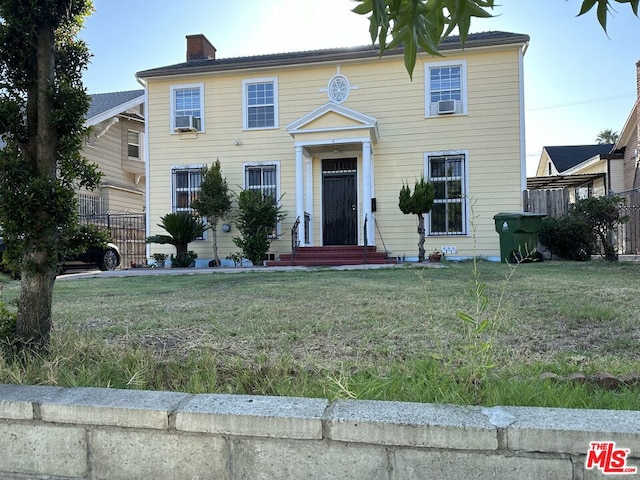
(183, 228)
(258, 217)
(568, 237)
(7, 324)
(184, 260)
(602, 214)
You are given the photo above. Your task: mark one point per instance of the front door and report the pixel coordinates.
(339, 202)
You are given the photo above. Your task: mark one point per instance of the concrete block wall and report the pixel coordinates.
(90, 433)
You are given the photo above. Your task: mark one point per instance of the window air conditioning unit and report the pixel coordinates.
(187, 123)
(446, 106)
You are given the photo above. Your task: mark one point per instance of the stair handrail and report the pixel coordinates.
(295, 242)
(366, 239)
(386, 252)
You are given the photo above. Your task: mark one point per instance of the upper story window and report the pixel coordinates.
(187, 108)
(447, 174)
(445, 88)
(133, 144)
(260, 103)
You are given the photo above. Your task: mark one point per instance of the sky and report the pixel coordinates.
(578, 80)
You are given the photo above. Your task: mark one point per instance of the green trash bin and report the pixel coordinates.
(518, 235)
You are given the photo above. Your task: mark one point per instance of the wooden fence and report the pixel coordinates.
(551, 202)
(555, 203)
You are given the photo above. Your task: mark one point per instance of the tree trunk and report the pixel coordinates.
(34, 308)
(421, 241)
(39, 263)
(214, 237)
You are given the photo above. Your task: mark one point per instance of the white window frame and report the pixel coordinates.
(174, 206)
(245, 102)
(245, 186)
(464, 200)
(185, 86)
(138, 144)
(431, 108)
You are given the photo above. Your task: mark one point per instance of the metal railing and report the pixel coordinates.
(366, 239)
(386, 252)
(127, 232)
(295, 243)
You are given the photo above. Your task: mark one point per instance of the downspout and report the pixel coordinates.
(147, 199)
(523, 154)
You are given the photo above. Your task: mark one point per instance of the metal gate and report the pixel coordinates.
(339, 202)
(127, 232)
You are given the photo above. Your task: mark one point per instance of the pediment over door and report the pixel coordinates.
(337, 119)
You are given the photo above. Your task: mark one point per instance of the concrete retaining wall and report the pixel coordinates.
(89, 433)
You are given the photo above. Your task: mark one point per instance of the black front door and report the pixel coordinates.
(339, 202)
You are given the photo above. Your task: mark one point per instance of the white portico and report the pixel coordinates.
(334, 174)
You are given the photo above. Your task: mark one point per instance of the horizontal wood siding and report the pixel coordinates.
(490, 132)
(107, 153)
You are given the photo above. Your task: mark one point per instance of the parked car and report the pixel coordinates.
(106, 257)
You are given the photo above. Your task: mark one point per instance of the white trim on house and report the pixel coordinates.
(523, 146)
(466, 217)
(366, 121)
(172, 104)
(118, 109)
(582, 165)
(430, 108)
(245, 102)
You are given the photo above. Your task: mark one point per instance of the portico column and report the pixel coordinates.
(367, 182)
(308, 190)
(300, 193)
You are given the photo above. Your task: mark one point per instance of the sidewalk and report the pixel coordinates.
(138, 272)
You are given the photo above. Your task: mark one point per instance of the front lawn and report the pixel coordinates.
(375, 334)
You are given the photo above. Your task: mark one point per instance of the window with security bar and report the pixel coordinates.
(186, 188)
(263, 179)
(186, 184)
(447, 175)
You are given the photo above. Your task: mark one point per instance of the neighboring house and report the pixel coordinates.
(593, 170)
(585, 170)
(627, 145)
(116, 145)
(335, 134)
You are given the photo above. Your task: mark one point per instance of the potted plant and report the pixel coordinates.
(160, 259)
(435, 256)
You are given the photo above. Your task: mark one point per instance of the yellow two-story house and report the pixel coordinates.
(335, 133)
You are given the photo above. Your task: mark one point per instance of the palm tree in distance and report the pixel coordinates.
(607, 136)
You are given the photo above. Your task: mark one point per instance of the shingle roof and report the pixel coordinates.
(102, 102)
(326, 55)
(566, 157)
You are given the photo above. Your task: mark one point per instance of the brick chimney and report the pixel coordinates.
(199, 48)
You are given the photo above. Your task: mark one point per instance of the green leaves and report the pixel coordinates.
(419, 24)
(422, 24)
(418, 202)
(182, 227)
(603, 8)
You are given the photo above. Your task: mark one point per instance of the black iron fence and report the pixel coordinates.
(127, 232)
